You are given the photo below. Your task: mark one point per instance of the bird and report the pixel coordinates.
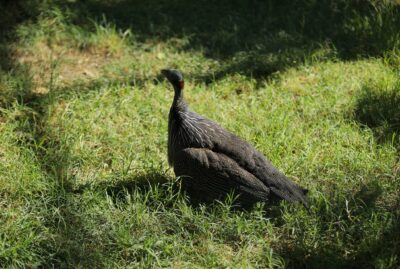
(213, 163)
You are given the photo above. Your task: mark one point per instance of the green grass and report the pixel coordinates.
(84, 179)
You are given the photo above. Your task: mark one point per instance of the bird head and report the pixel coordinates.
(174, 77)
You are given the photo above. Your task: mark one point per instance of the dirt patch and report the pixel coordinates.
(60, 65)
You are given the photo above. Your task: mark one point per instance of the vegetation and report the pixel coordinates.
(84, 180)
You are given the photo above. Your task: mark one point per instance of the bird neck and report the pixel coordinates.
(179, 102)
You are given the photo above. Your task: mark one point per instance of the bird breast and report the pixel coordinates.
(187, 129)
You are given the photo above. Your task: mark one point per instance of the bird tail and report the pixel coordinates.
(293, 193)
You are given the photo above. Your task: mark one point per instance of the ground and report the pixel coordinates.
(84, 178)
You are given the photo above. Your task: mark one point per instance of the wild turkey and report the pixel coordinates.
(212, 162)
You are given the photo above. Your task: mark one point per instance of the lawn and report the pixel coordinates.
(84, 177)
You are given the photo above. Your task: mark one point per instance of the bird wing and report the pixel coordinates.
(252, 161)
(217, 174)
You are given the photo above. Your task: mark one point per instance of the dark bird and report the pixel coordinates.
(212, 162)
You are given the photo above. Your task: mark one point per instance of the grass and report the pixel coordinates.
(84, 180)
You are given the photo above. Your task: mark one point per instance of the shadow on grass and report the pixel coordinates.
(72, 244)
(117, 190)
(254, 37)
(225, 27)
(157, 189)
(15, 13)
(379, 109)
(347, 221)
(383, 248)
(374, 251)
(15, 80)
